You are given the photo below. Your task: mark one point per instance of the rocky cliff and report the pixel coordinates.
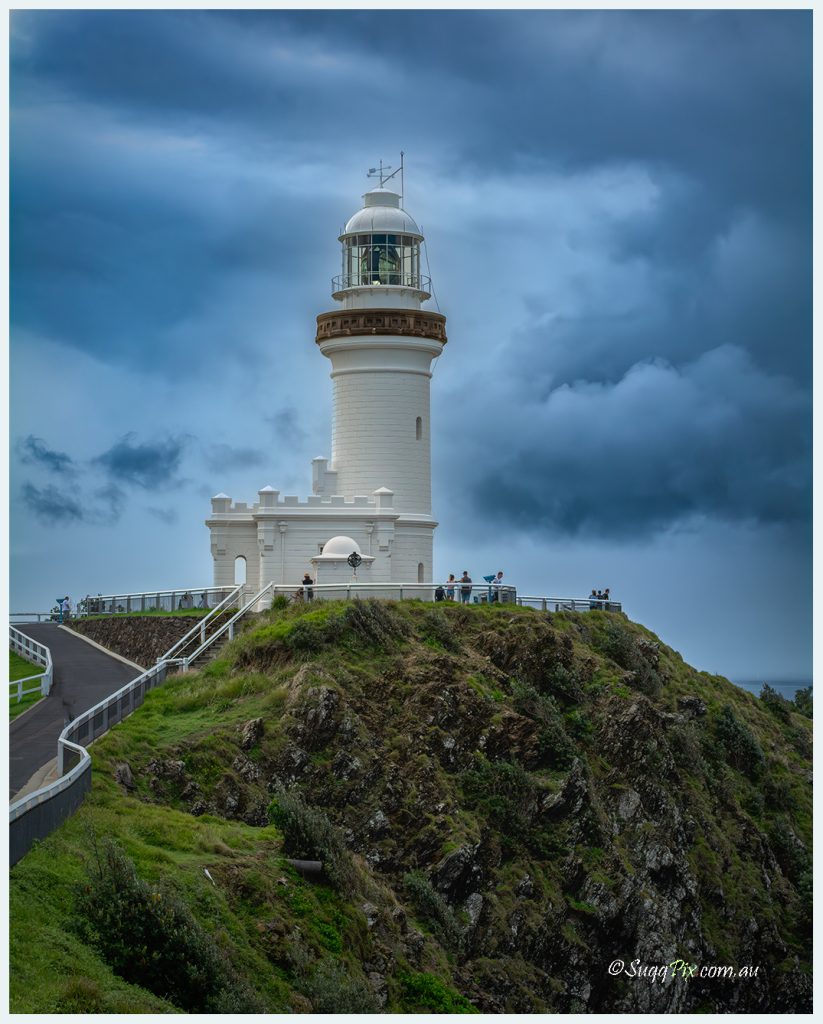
(514, 811)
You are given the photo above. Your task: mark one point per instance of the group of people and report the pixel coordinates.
(599, 599)
(447, 591)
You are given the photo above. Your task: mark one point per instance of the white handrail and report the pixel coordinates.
(201, 624)
(34, 651)
(250, 604)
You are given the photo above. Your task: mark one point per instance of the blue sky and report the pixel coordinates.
(618, 214)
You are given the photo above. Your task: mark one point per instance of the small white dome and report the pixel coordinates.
(340, 547)
(381, 213)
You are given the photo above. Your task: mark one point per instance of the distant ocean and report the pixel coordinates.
(787, 690)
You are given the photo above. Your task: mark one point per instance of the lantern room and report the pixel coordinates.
(381, 248)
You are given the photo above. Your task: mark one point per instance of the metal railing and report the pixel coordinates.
(36, 652)
(197, 635)
(474, 593)
(256, 603)
(569, 604)
(383, 278)
(182, 598)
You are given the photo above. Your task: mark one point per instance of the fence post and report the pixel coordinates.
(543, 605)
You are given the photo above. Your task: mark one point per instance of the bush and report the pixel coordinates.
(426, 992)
(279, 602)
(308, 834)
(556, 749)
(508, 797)
(776, 703)
(333, 989)
(803, 702)
(149, 937)
(637, 655)
(742, 750)
(80, 995)
(375, 623)
(434, 910)
(436, 626)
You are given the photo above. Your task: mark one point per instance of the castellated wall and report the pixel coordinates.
(384, 407)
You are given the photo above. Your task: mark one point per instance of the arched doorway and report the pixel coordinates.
(239, 570)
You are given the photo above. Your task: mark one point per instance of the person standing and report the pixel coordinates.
(465, 587)
(450, 587)
(307, 584)
(497, 584)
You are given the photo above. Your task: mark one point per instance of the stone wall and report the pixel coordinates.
(140, 638)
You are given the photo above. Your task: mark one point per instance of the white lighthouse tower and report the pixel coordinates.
(374, 494)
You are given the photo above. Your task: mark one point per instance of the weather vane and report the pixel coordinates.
(382, 172)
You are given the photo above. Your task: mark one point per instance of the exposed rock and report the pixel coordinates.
(694, 706)
(458, 873)
(251, 733)
(123, 776)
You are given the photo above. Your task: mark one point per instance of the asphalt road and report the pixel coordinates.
(83, 675)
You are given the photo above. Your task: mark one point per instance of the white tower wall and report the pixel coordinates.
(381, 433)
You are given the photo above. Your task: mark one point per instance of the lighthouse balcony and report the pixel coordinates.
(381, 279)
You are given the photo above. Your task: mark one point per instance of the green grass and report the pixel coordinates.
(19, 668)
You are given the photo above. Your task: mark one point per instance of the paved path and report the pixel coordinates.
(83, 675)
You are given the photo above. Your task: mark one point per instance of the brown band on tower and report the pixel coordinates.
(415, 322)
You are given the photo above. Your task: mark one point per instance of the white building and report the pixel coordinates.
(373, 495)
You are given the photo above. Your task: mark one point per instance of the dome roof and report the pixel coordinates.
(381, 213)
(340, 547)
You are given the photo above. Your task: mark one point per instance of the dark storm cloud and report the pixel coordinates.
(717, 439)
(33, 450)
(54, 507)
(220, 457)
(143, 213)
(149, 465)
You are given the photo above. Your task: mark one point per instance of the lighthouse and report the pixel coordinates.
(372, 495)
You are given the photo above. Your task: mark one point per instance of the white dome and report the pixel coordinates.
(381, 213)
(340, 547)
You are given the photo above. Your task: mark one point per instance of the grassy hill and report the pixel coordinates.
(505, 802)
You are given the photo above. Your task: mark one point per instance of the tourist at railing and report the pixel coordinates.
(496, 584)
(450, 583)
(465, 587)
(308, 583)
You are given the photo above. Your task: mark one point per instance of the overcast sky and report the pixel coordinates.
(617, 208)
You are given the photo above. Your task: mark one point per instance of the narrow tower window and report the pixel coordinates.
(418, 428)
(419, 572)
(239, 570)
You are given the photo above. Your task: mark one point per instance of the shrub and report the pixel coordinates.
(508, 796)
(333, 989)
(426, 992)
(803, 702)
(279, 602)
(374, 622)
(308, 834)
(436, 626)
(739, 743)
(775, 702)
(556, 749)
(637, 655)
(149, 937)
(433, 909)
(80, 995)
